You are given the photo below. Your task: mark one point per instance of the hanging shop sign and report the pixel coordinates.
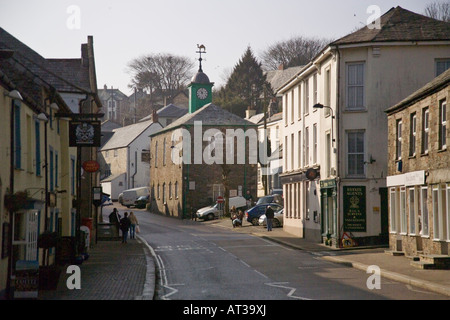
(85, 134)
(91, 166)
(312, 174)
(354, 208)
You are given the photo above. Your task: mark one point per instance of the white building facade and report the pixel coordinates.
(343, 200)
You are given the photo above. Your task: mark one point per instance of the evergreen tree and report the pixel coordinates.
(245, 86)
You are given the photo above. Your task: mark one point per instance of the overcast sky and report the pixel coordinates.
(124, 30)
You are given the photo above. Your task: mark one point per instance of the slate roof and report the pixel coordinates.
(21, 80)
(209, 115)
(62, 74)
(277, 78)
(256, 118)
(124, 136)
(434, 85)
(399, 24)
(169, 111)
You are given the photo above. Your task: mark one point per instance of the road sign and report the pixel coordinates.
(220, 199)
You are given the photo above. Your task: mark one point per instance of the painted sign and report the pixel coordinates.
(354, 208)
(91, 166)
(85, 134)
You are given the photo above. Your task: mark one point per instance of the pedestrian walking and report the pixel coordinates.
(133, 224)
(269, 217)
(114, 217)
(125, 227)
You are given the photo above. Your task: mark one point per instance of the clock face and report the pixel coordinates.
(202, 93)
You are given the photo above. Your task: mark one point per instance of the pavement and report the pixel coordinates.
(116, 271)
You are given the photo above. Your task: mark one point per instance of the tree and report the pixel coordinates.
(162, 73)
(244, 87)
(297, 51)
(438, 10)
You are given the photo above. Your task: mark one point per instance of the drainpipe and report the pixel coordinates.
(11, 212)
(78, 217)
(135, 166)
(337, 145)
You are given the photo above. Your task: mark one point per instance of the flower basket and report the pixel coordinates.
(14, 202)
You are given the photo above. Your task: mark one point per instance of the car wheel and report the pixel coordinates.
(211, 216)
(276, 223)
(255, 221)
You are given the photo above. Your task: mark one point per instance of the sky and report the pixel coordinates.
(125, 30)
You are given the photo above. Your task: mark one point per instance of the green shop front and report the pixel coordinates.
(328, 203)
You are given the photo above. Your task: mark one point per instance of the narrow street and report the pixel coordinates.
(201, 261)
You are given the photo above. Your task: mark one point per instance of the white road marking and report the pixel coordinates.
(291, 292)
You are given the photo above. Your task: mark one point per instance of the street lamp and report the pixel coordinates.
(321, 106)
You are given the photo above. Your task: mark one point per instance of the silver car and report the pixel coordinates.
(277, 221)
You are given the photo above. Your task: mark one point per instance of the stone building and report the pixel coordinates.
(419, 171)
(191, 160)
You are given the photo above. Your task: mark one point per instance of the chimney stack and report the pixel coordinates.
(249, 113)
(155, 116)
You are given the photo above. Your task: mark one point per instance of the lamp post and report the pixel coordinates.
(335, 214)
(321, 106)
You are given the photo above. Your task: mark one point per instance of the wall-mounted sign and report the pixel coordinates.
(91, 166)
(354, 208)
(312, 174)
(85, 134)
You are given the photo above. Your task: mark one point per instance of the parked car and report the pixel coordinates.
(142, 201)
(212, 212)
(277, 220)
(273, 198)
(130, 196)
(257, 211)
(277, 191)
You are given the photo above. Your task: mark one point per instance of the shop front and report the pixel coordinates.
(328, 200)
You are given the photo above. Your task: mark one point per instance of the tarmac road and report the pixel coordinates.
(208, 261)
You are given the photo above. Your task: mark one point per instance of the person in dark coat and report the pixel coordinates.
(114, 218)
(125, 224)
(270, 214)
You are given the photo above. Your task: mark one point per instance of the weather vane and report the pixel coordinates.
(201, 49)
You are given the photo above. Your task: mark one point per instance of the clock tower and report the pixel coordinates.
(200, 88)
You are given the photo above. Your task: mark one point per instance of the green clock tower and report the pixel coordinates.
(200, 88)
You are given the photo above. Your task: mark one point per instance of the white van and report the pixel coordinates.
(211, 212)
(130, 196)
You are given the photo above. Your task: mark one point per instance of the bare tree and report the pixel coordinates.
(297, 51)
(162, 73)
(438, 10)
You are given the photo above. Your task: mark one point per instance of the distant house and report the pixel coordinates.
(166, 115)
(126, 155)
(419, 170)
(115, 103)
